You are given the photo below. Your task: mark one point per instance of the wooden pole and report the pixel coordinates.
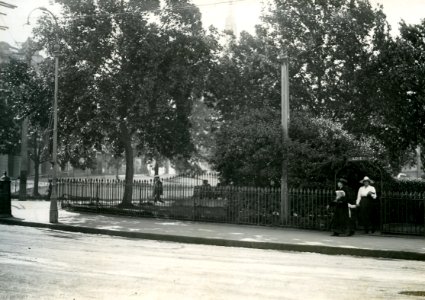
(284, 204)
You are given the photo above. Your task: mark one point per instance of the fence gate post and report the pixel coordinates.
(381, 212)
(5, 196)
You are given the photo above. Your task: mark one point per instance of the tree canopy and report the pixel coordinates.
(345, 68)
(129, 77)
(400, 91)
(25, 93)
(136, 78)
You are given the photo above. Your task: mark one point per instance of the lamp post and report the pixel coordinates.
(53, 214)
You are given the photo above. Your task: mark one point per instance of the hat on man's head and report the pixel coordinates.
(366, 179)
(343, 180)
(156, 176)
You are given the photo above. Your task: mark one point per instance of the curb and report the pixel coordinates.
(387, 254)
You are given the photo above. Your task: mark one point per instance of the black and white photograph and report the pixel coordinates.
(212, 149)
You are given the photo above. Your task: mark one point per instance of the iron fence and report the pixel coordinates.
(309, 208)
(198, 198)
(203, 198)
(403, 213)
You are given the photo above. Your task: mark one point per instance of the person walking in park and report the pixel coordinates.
(365, 204)
(340, 223)
(157, 189)
(205, 190)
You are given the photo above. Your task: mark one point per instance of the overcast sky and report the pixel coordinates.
(246, 14)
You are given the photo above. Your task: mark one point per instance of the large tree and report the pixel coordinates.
(129, 74)
(329, 44)
(344, 66)
(399, 97)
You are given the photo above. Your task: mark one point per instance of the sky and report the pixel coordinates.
(246, 14)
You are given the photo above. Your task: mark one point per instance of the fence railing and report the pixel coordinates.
(308, 208)
(192, 198)
(403, 212)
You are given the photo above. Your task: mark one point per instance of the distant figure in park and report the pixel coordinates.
(49, 189)
(340, 223)
(205, 190)
(157, 189)
(365, 203)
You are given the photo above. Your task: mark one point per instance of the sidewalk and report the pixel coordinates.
(36, 214)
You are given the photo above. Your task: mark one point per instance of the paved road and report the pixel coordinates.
(46, 264)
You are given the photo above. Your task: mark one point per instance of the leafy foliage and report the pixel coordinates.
(24, 94)
(249, 150)
(129, 78)
(345, 68)
(329, 43)
(9, 128)
(410, 186)
(400, 91)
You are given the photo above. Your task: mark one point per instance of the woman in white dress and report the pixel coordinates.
(365, 205)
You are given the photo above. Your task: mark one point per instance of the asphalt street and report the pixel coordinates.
(47, 264)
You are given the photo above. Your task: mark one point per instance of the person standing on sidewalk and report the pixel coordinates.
(365, 205)
(340, 223)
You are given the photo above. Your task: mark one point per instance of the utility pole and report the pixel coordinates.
(284, 200)
(24, 161)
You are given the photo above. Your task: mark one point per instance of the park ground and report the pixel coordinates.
(49, 264)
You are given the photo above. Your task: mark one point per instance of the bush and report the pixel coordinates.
(249, 151)
(410, 186)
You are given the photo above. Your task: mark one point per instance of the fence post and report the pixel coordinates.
(258, 193)
(5, 196)
(381, 212)
(423, 208)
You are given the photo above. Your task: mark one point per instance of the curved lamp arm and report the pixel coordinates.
(45, 10)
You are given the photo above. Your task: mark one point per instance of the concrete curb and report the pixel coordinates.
(388, 254)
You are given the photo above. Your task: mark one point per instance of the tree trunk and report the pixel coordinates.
(156, 167)
(24, 161)
(167, 166)
(129, 168)
(117, 169)
(144, 167)
(35, 192)
(36, 159)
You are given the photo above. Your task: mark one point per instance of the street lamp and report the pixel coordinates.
(53, 215)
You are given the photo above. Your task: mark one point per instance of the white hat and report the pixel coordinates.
(367, 179)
